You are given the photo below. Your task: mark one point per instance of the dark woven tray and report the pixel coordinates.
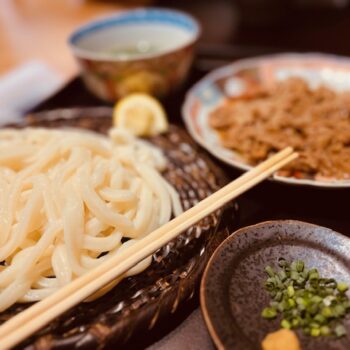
(139, 302)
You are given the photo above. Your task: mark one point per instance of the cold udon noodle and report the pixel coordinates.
(69, 200)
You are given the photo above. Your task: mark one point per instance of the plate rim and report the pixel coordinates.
(218, 150)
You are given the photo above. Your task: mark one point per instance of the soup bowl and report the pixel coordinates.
(146, 50)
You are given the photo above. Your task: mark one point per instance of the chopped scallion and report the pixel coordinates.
(290, 291)
(340, 330)
(286, 324)
(269, 313)
(342, 287)
(306, 300)
(270, 271)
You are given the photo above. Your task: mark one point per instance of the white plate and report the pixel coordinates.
(236, 78)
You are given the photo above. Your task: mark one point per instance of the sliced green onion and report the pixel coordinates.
(331, 283)
(282, 262)
(305, 300)
(295, 322)
(325, 330)
(270, 283)
(300, 280)
(299, 265)
(316, 299)
(286, 324)
(291, 303)
(294, 275)
(270, 271)
(304, 274)
(340, 330)
(312, 309)
(273, 304)
(320, 318)
(269, 313)
(290, 291)
(278, 282)
(328, 290)
(328, 300)
(282, 275)
(278, 296)
(313, 274)
(342, 287)
(346, 305)
(314, 325)
(301, 301)
(306, 330)
(315, 332)
(338, 310)
(327, 312)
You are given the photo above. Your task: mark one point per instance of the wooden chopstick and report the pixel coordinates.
(35, 317)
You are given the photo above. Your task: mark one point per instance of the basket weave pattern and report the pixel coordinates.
(137, 303)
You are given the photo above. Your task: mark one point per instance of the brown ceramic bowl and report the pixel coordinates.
(232, 289)
(146, 50)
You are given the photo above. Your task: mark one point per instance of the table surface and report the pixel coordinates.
(321, 30)
(38, 30)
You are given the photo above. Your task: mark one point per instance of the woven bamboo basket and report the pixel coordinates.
(138, 303)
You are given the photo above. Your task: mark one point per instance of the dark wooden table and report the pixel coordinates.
(291, 29)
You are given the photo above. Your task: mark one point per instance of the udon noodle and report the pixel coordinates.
(71, 199)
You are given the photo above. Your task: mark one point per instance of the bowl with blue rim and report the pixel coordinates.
(147, 50)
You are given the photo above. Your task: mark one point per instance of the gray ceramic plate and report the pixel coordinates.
(232, 292)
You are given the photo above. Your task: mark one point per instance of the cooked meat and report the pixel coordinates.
(316, 123)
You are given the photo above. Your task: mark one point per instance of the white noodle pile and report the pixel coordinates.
(67, 198)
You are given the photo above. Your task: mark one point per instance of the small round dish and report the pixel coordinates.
(232, 289)
(143, 50)
(239, 77)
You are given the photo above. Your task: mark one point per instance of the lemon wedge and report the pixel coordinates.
(141, 114)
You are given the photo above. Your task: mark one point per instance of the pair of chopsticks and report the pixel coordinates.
(35, 317)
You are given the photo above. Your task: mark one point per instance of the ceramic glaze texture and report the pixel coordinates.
(233, 294)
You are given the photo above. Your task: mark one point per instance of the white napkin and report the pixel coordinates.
(25, 87)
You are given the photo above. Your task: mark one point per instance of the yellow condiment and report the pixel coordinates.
(283, 339)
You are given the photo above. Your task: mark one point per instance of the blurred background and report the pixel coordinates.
(33, 34)
(38, 29)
